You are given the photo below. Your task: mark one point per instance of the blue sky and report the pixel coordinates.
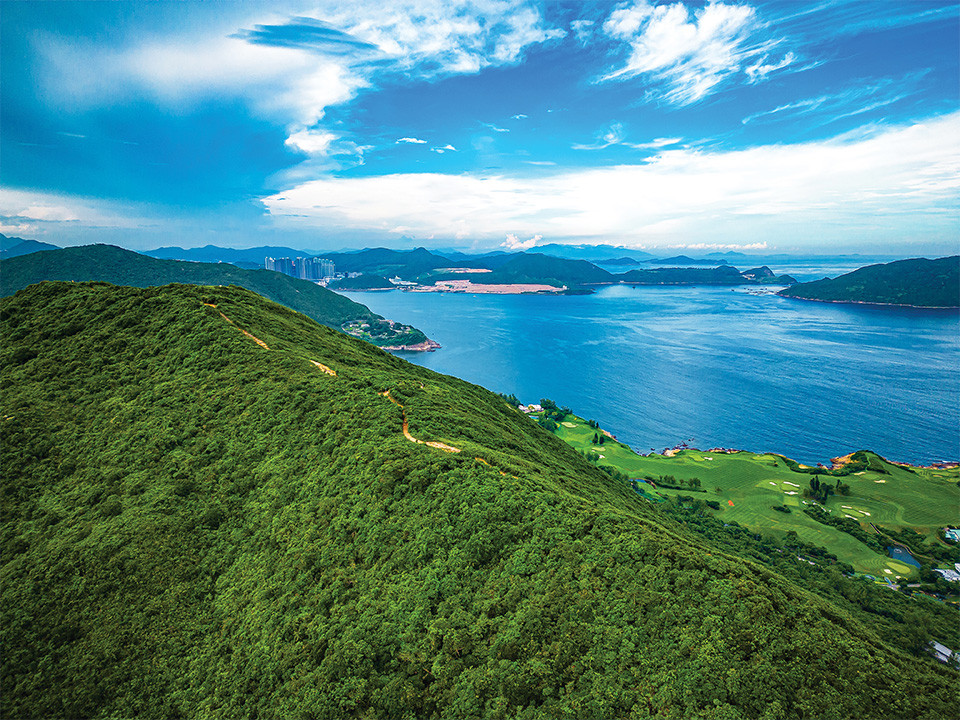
(822, 126)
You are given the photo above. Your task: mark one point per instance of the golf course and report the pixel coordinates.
(747, 487)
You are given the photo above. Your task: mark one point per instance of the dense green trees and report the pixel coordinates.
(196, 526)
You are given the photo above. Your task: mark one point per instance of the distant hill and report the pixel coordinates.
(537, 268)
(215, 254)
(387, 263)
(107, 263)
(917, 282)
(766, 276)
(362, 282)
(684, 261)
(721, 275)
(590, 252)
(26, 247)
(214, 507)
(9, 242)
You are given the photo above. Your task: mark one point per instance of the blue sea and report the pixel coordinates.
(710, 366)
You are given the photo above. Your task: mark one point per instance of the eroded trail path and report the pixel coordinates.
(406, 429)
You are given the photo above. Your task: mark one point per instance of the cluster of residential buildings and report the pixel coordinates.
(315, 269)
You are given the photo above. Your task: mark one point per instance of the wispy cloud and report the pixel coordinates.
(443, 149)
(36, 212)
(519, 116)
(411, 141)
(861, 97)
(689, 55)
(615, 134)
(891, 183)
(495, 128)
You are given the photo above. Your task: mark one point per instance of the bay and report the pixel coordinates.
(710, 366)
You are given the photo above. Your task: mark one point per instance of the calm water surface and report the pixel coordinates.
(710, 366)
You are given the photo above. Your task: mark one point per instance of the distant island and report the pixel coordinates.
(106, 263)
(917, 282)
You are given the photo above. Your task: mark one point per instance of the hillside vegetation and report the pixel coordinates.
(106, 263)
(214, 507)
(918, 283)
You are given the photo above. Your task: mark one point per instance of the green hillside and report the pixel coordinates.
(362, 282)
(214, 507)
(106, 263)
(918, 282)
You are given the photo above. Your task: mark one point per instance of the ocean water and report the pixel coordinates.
(710, 366)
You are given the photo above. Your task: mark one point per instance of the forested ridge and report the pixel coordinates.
(107, 263)
(918, 282)
(209, 509)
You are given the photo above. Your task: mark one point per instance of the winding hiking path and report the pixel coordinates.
(406, 429)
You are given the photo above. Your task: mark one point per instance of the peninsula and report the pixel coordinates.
(917, 282)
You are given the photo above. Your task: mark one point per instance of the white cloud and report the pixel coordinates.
(311, 142)
(892, 183)
(654, 144)
(295, 85)
(443, 149)
(690, 56)
(32, 211)
(519, 116)
(514, 243)
(582, 30)
(48, 213)
(411, 140)
(17, 229)
(495, 128)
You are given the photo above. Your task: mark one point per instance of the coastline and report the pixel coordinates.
(425, 346)
(836, 462)
(877, 304)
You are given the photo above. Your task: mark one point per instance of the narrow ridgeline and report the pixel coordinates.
(215, 507)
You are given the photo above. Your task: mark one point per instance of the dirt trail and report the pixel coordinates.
(411, 438)
(257, 340)
(323, 367)
(261, 343)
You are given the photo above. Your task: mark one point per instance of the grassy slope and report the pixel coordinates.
(197, 526)
(107, 263)
(923, 501)
(918, 282)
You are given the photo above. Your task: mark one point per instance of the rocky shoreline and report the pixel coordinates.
(425, 346)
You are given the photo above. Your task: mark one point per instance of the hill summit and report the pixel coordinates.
(215, 507)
